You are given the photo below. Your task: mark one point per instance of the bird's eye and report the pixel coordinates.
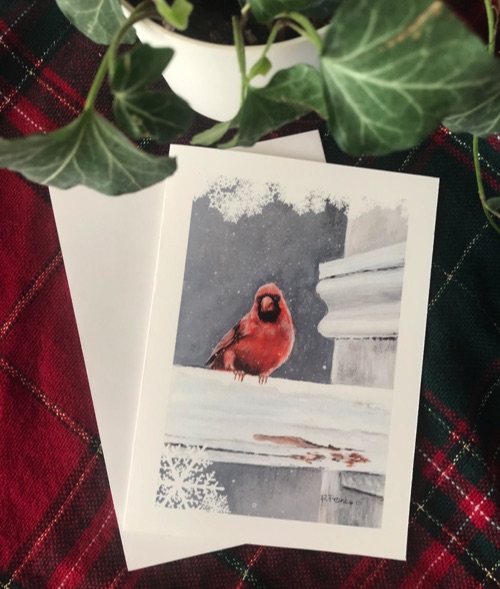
(276, 298)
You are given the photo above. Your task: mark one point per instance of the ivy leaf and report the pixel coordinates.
(290, 94)
(480, 119)
(265, 10)
(159, 115)
(494, 204)
(89, 151)
(97, 19)
(321, 8)
(141, 66)
(214, 134)
(394, 70)
(260, 68)
(177, 14)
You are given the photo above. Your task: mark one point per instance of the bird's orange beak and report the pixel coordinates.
(267, 304)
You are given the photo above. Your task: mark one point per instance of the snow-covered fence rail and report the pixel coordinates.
(281, 423)
(338, 434)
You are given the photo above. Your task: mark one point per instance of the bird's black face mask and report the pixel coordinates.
(268, 308)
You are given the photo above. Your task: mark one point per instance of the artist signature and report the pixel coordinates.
(325, 498)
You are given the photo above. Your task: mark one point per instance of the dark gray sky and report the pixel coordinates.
(227, 262)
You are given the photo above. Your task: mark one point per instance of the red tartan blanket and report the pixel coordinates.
(57, 524)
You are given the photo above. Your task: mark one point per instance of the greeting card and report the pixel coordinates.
(280, 391)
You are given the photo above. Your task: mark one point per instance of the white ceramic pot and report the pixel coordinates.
(207, 76)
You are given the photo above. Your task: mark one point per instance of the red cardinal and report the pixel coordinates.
(261, 341)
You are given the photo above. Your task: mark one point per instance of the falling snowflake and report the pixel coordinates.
(186, 483)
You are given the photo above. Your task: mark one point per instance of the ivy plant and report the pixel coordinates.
(389, 74)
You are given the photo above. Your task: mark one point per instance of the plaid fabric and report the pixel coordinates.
(57, 524)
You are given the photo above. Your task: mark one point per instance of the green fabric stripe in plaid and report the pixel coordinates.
(459, 467)
(486, 422)
(7, 583)
(488, 552)
(451, 442)
(475, 502)
(29, 47)
(461, 546)
(238, 566)
(36, 38)
(440, 431)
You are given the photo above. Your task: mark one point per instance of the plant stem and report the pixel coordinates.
(298, 22)
(144, 10)
(480, 186)
(491, 26)
(477, 167)
(475, 139)
(245, 9)
(240, 53)
(96, 84)
(257, 67)
(272, 36)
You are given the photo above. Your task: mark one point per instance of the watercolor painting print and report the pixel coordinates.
(284, 361)
(282, 374)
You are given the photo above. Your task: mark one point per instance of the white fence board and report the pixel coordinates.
(281, 423)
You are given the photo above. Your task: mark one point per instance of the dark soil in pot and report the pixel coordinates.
(211, 21)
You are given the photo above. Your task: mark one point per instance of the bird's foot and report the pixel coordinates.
(239, 375)
(263, 378)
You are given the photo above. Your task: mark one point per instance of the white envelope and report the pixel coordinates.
(109, 247)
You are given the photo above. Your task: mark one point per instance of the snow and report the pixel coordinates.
(237, 197)
(246, 422)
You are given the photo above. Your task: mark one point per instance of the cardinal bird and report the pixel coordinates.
(261, 341)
